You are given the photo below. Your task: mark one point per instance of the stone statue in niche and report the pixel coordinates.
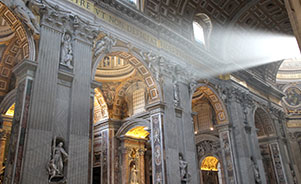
(57, 162)
(134, 174)
(176, 94)
(183, 169)
(256, 171)
(66, 50)
(26, 15)
(104, 45)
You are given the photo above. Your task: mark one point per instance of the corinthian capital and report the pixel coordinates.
(61, 20)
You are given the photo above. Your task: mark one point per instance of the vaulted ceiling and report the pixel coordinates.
(268, 15)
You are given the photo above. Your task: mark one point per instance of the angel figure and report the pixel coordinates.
(26, 15)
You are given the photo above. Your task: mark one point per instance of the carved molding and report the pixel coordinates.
(60, 20)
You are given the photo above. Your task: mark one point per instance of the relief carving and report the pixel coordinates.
(154, 63)
(26, 15)
(105, 45)
(207, 146)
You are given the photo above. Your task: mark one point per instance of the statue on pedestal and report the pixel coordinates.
(56, 164)
(134, 175)
(256, 171)
(176, 93)
(183, 169)
(66, 51)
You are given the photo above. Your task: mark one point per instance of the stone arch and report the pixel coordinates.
(215, 100)
(202, 138)
(137, 61)
(8, 101)
(132, 124)
(209, 145)
(139, 73)
(20, 46)
(263, 122)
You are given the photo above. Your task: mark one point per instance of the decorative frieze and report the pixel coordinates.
(208, 147)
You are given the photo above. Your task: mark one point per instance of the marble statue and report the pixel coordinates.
(154, 63)
(256, 171)
(59, 157)
(104, 45)
(134, 175)
(176, 93)
(183, 169)
(66, 51)
(52, 170)
(26, 15)
(57, 162)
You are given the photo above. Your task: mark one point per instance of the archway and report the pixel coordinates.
(15, 46)
(266, 134)
(208, 113)
(211, 170)
(121, 134)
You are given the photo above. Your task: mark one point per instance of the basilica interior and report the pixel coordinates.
(150, 92)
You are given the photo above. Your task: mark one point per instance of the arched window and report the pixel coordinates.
(202, 28)
(136, 3)
(198, 32)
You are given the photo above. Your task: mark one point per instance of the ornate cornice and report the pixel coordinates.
(60, 20)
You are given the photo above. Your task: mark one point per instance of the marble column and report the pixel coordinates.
(279, 151)
(109, 163)
(247, 164)
(158, 161)
(25, 72)
(59, 102)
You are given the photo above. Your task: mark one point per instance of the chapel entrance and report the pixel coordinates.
(210, 170)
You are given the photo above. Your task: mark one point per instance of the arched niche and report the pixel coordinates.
(120, 74)
(127, 126)
(266, 134)
(208, 145)
(263, 123)
(204, 21)
(18, 45)
(205, 90)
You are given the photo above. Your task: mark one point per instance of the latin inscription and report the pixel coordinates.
(135, 31)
